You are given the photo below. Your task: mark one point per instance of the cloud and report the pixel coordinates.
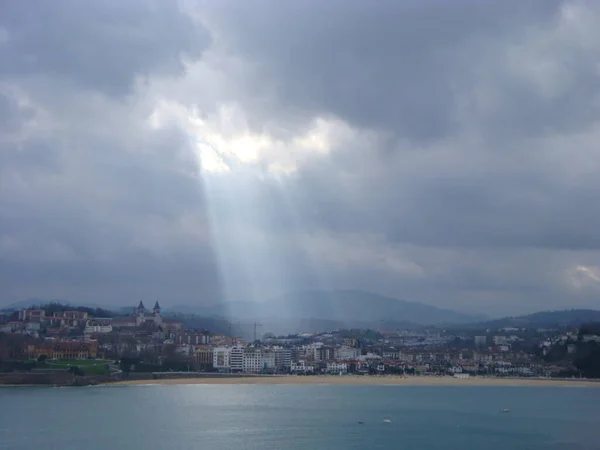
(102, 46)
(200, 152)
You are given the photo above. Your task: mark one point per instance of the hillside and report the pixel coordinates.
(544, 319)
(344, 307)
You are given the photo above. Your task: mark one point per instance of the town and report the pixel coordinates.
(94, 342)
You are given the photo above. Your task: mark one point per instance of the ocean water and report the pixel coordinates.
(279, 417)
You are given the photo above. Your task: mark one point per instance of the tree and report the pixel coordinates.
(42, 358)
(126, 363)
(588, 360)
(76, 371)
(589, 328)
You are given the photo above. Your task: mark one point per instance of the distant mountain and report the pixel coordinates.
(544, 319)
(343, 307)
(293, 326)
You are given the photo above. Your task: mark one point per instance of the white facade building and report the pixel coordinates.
(221, 356)
(32, 326)
(500, 340)
(258, 360)
(337, 367)
(347, 353)
(301, 367)
(236, 359)
(98, 326)
(283, 359)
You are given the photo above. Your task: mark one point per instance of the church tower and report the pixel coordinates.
(156, 311)
(140, 313)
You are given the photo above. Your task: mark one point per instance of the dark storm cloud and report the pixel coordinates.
(501, 210)
(100, 45)
(467, 179)
(393, 65)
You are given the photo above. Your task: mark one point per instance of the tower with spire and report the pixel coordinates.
(156, 312)
(140, 314)
(143, 316)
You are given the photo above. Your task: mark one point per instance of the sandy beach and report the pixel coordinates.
(349, 380)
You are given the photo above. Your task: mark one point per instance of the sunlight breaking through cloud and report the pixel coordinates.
(582, 277)
(223, 140)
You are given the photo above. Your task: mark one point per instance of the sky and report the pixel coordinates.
(201, 152)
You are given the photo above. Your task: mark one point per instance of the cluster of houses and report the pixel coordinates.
(147, 335)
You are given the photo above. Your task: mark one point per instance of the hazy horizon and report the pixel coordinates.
(201, 152)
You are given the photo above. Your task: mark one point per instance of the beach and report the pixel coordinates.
(352, 380)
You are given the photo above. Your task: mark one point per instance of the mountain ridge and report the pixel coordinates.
(543, 319)
(343, 306)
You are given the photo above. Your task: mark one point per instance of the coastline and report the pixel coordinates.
(354, 380)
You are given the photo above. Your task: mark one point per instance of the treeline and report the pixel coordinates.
(587, 359)
(54, 307)
(215, 325)
(589, 328)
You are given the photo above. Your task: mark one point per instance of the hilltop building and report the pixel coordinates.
(143, 318)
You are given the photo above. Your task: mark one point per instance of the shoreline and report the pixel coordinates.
(358, 380)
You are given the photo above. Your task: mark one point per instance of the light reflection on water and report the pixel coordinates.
(298, 417)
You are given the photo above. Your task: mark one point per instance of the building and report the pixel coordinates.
(480, 341)
(336, 367)
(236, 359)
(10, 327)
(191, 337)
(351, 342)
(258, 360)
(323, 353)
(203, 356)
(283, 359)
(347, 353)
(67, 319)
(301, 367)
(98, 325)
(65, 350)
(32, 315)
(33, 326)
(142, 316)
(221, 358)
(462, 375)
(501, 340)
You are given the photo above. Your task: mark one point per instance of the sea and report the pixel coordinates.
(280, 417)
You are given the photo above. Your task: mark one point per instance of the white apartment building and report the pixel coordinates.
(221, 357)
(32, 326)
(500, 340)
(337, 367)
(283, 358)
(258, 360)
(252, 361)
(236, 359)
(301, 367)
(98, 326)
(347, 353)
